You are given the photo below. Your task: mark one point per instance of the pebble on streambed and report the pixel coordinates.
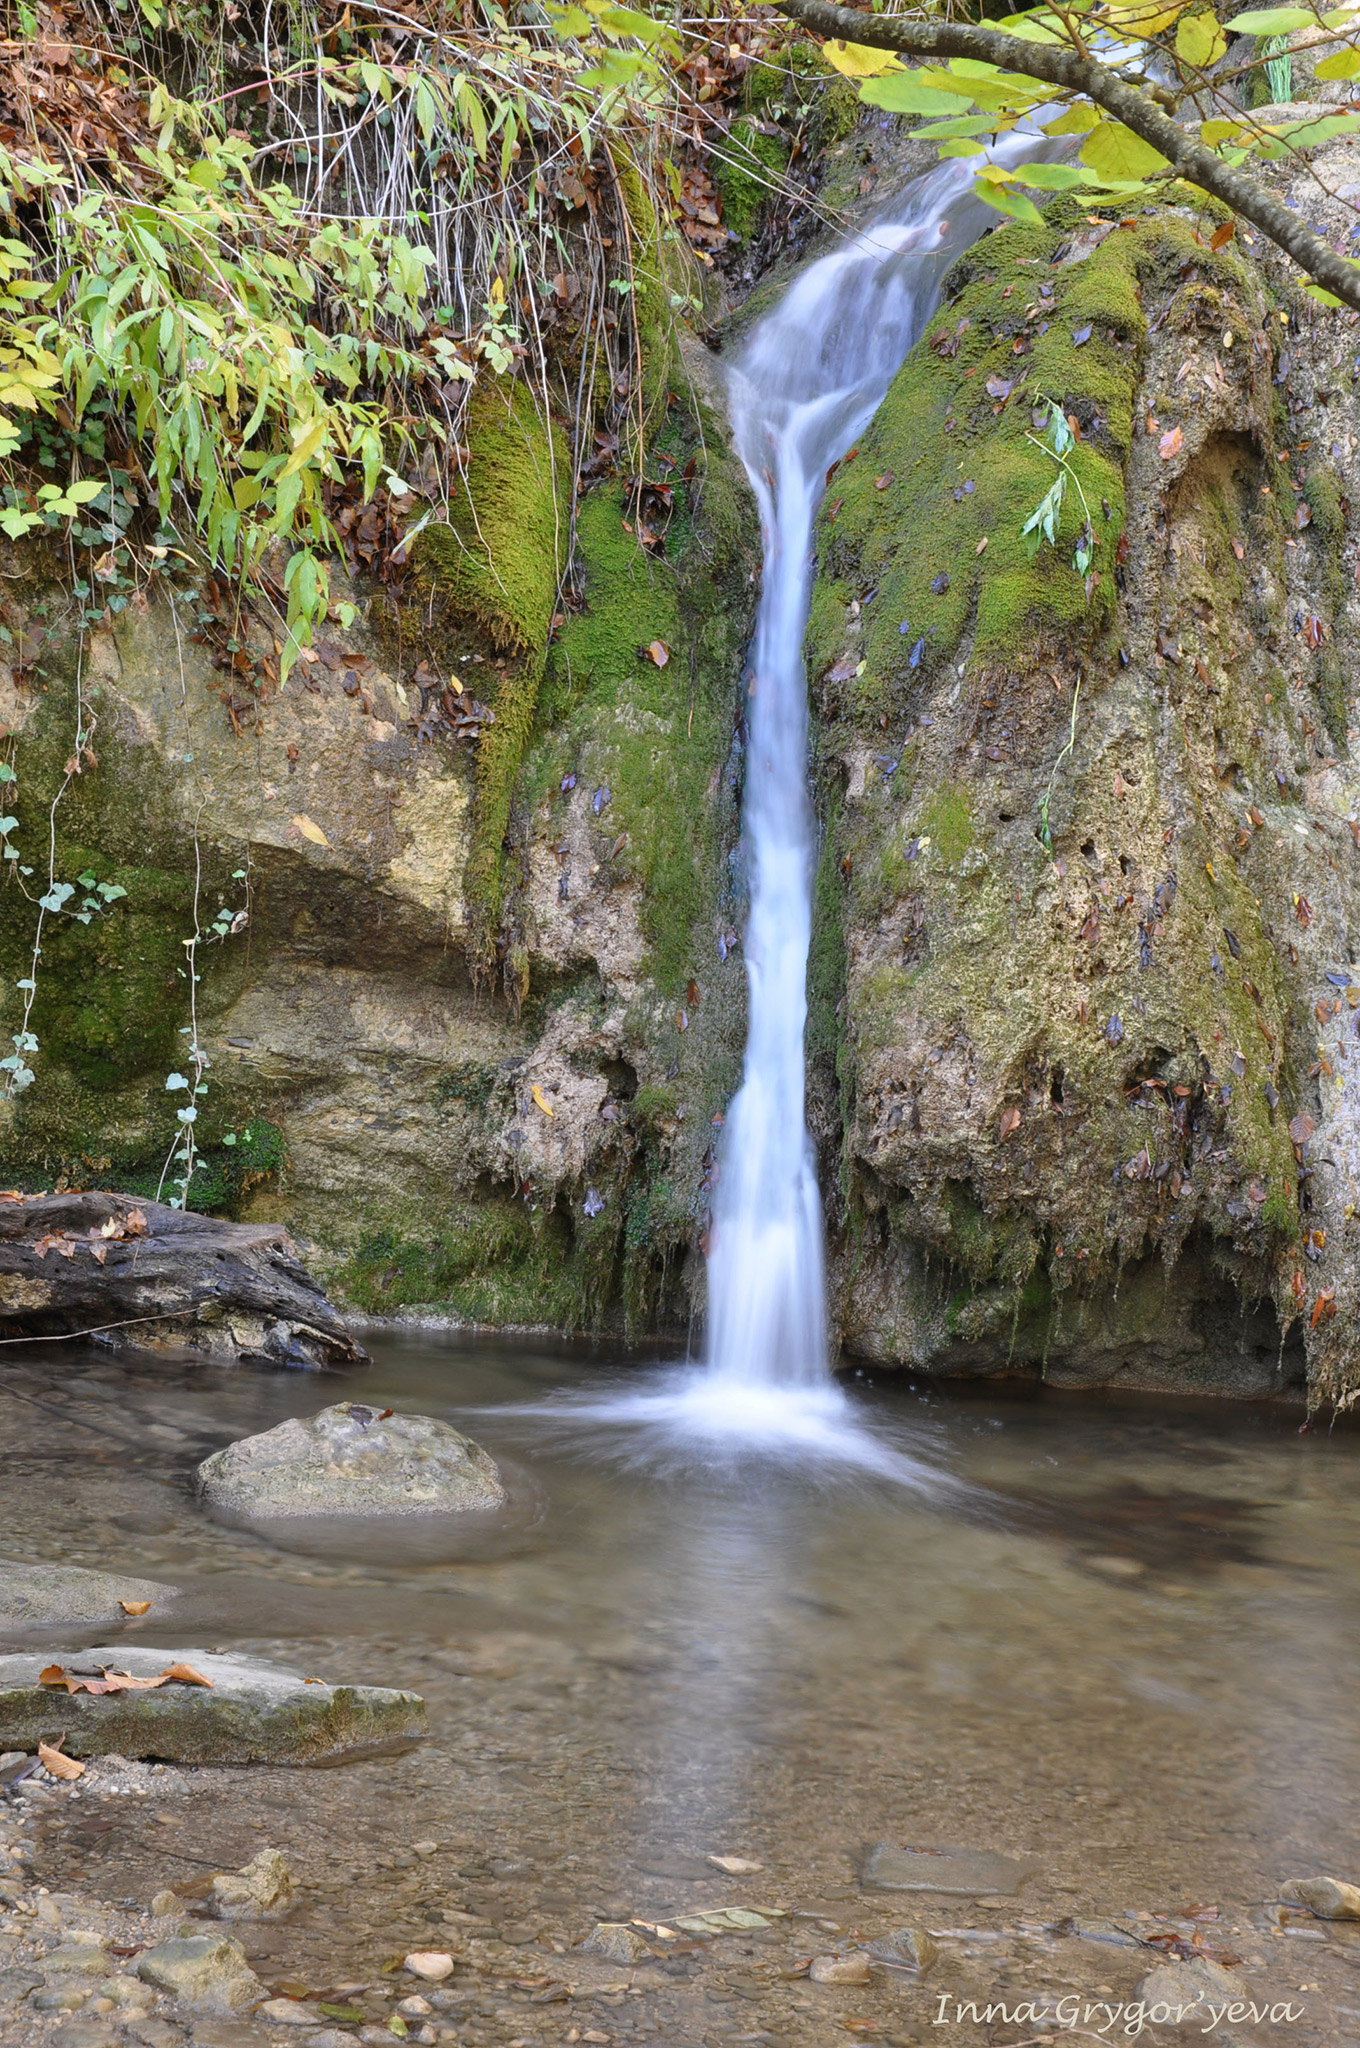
(353, 1459)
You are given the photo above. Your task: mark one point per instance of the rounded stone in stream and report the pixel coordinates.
(36, 1596)
(353, 1460)
(1329, 1897)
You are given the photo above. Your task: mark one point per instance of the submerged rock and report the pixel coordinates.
(839, 1969)
(250, 1713)
(617, 1940)
(49, 1595)
(262, 1891)
(966, 1873)
(1328, 1897)
(353, 1460)
(1187, 1988)
(206, 1971)
(908, 1948)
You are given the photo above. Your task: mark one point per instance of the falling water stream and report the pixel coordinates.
(808, 379)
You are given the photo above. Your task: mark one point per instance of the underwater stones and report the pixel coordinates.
(966, 1873)
(909, 1948)
(36, 1596)
(431, 1965)
(263, 1890)
(1328, 1897)
(1188, 1988)
(353, 1460)
(250, 1713)
(839, 1969)
(206, 1971)
(615, 1939)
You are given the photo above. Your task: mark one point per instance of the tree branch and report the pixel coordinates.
(1086, 77)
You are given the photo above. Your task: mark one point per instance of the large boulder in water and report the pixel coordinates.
(353, 1460)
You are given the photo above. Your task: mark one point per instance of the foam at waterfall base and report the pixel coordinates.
(689, 1418)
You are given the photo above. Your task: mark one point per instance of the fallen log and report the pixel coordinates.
(139, 1276)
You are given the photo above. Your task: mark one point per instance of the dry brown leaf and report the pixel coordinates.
(542, 1101)
(1010, 1122)
(309, 830)
(135, 1606)
(1222, 234)
(60, 1766)
(1170, 444)
(659, 652)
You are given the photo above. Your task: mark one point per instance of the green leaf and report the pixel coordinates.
(1114, 151)
(1005, 201)
(1199, 39)
(1052, 177)
(1272, 21)
(901, 92)
(1345, 64)
(173, 1081)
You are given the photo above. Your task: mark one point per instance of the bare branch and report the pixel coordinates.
(1094, 81)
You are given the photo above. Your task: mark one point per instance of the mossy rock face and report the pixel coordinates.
(1049, 926)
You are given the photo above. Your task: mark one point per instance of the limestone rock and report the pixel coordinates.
(432, 1965)
(252, 1713)
(907, 1947)
(34, 1596)
(353, 1460)
(77, 1959)
(840, 1969)
(289, 2012)
(1328, 1897)
(617, 1940)
(1188, 1987)
(207, 1972)
(263, 1890)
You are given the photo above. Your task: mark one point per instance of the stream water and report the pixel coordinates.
(1124, 1645)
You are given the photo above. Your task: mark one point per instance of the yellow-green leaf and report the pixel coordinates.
(1078, 120)
(904, 93)
(1199, 40)
(1344, 64)
(1144, 17)
(1009, 202)
(1114, 151)
(853, 60)
(1272, 21)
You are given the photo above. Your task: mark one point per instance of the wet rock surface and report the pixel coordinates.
(353, 1459)
(55, 1595)
(248, 1712)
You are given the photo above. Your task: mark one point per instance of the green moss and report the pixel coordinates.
(826, 951)
(499, 1262)
(947, 820)
(654, 732)
(748, 174)
(796, 80)
(496, 567)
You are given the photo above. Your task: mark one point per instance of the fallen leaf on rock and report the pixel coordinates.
(542, 1101)
(1301, 1127)
(1010, 1122)
(1170, 444)
(309, 830)
(135, 1606)
(735, 1866)
(881, 482)
(659, 652)
(107, 1681)
(66, 1766)
(1223, 234)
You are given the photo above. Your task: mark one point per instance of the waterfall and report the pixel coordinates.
(807, 381)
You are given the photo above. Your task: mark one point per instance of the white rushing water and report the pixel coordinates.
(809, 378)
(806, 383)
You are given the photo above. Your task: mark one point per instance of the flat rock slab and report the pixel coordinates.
(52, 1595)
(147, 1277)
(964, 1873)
(253, 1713)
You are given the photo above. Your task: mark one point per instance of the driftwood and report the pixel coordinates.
(139, 1276)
